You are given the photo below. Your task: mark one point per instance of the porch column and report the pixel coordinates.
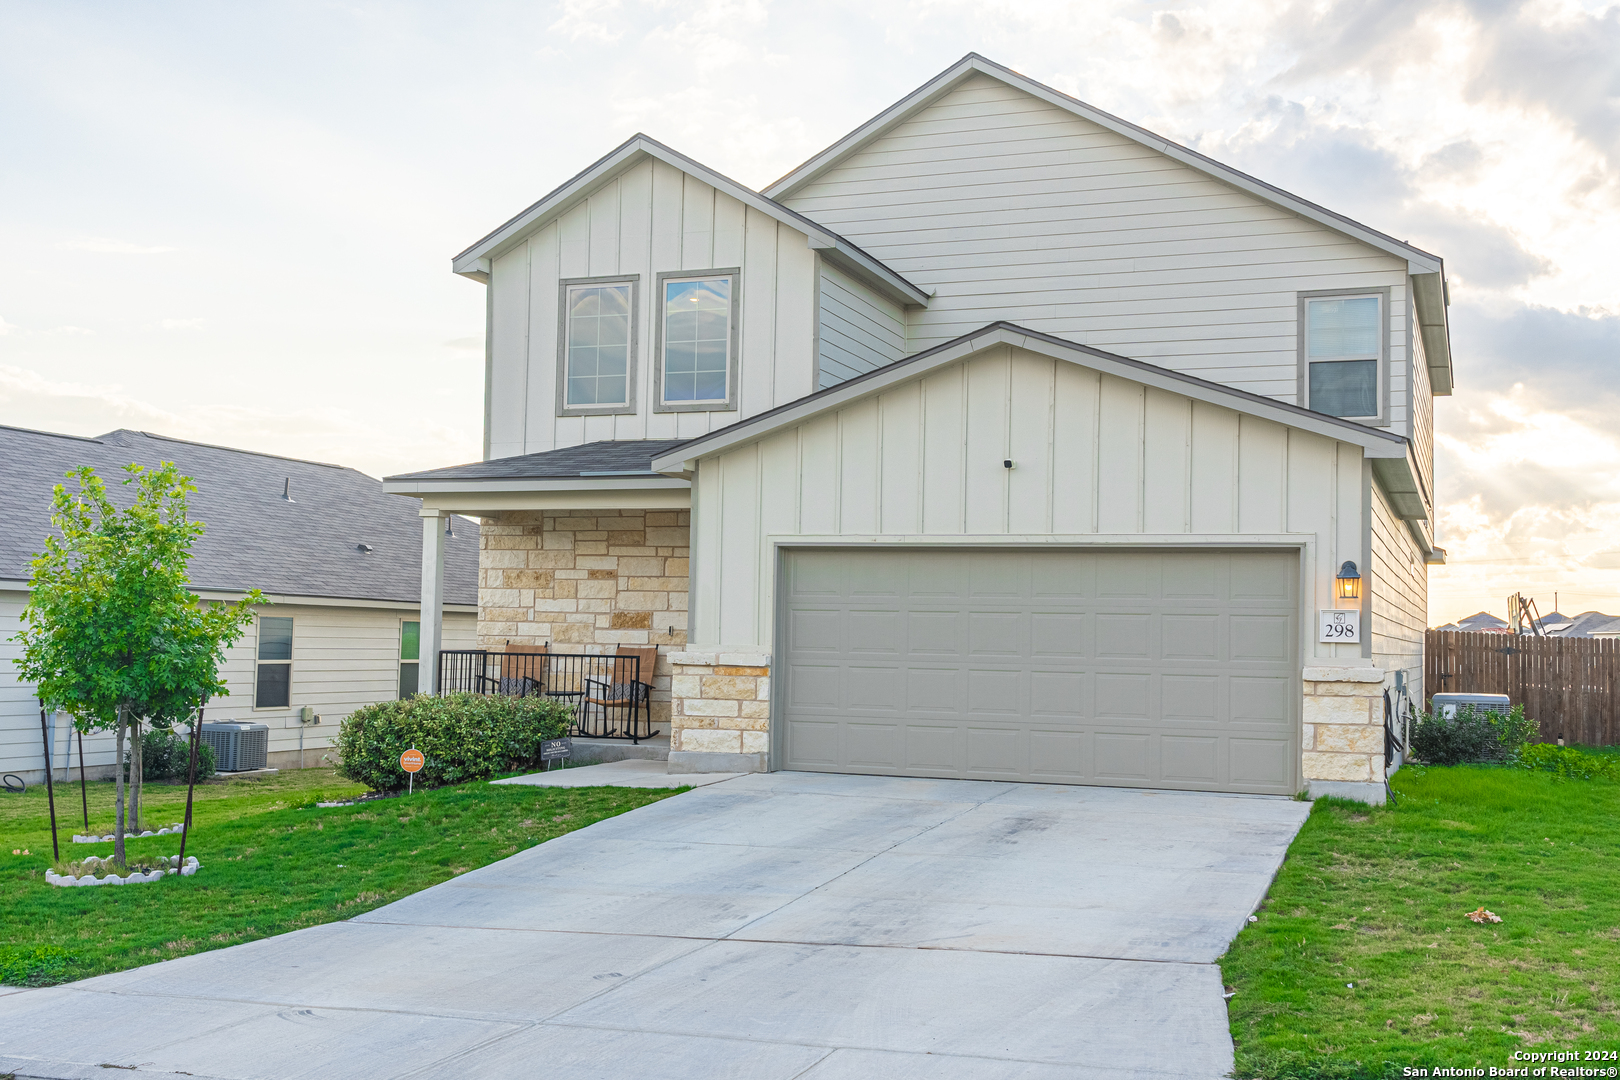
(432, 616)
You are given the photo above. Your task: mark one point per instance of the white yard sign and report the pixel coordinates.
(1342, 626)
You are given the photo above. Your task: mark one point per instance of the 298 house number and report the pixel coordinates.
(1339, 626)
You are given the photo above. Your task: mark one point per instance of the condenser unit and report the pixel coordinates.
(238, 745)
(1448, 704)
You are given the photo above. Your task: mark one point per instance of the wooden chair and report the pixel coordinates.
(628, 695)
(523, 670)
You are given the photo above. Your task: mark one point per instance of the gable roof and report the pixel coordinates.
(1429, 291)
(255, 538)
(474, 262)
(1391, 454)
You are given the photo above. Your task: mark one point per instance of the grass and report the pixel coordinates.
(1362, 961)
(271, 862)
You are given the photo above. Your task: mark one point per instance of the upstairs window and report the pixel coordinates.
(697, 341)
(272, 682)
(598, 346)
(1343, 355)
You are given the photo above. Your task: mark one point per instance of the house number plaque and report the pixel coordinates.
(1339, 626)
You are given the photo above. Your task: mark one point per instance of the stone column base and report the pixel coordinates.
(1343, 740)
(720, 705)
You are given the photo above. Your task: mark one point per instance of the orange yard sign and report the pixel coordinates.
(411, 760)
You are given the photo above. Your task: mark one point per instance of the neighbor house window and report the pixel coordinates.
(697, 340)
(272, 682)
(410, 655)
(598, 346)
(1344, 351)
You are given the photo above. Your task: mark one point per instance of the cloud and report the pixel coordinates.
(466, 344)
(1565, 64)
(1569, 360)
(182, 324)
(6, 328)
(105, 246)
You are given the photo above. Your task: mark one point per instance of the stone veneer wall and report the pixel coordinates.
(586, 581)
(721, 702)
(1344, 730)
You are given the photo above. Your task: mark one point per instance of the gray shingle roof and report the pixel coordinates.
(255, 538)
(623, 456)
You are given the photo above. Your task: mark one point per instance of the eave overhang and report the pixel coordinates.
(475, 262)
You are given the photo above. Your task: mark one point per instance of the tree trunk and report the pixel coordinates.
(118, 826)
(137, 775)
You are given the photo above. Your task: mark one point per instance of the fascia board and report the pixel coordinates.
(297, 600)
(1429, 301)
(485, 485)
(1376, 444)
(476, 259)
(920, 98)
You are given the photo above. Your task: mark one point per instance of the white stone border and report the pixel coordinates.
(191, 867)
(177, 827)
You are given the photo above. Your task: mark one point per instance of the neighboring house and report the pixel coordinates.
(1002, 439)
(1606, 630)
(339, 559)
(1479, 622)
(1586, 624)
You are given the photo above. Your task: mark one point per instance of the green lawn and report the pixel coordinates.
(271, 862)
(1377, 898)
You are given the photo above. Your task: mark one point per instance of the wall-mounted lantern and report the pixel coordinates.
(1347, 586)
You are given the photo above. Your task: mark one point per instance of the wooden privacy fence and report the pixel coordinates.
(1571, 686)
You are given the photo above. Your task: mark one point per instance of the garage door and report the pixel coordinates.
(1167, 669)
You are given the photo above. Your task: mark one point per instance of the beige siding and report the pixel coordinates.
(858, 330)
(1091, 454)
(1422, 433)
(1009, 207)
(343, 657)
(650, 219)
(1400, 595)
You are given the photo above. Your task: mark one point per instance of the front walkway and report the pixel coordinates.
(774, 926)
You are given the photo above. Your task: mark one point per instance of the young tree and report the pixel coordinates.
(112, 633)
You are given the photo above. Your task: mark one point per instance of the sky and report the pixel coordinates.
(233, 222)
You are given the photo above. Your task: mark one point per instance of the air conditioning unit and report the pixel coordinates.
(238, 745)
(1448, 704)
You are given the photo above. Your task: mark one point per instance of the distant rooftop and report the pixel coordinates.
(305, 545)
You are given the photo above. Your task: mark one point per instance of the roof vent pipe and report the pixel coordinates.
(364, 549)
(286, 490)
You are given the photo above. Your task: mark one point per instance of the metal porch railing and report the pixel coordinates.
(611, 695)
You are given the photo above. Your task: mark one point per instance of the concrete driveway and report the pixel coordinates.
(787, 925)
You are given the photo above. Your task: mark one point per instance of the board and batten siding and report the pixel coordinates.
(1092, 454)
(650, 219)
(1009, 207)
(858, 330)
(343, 658)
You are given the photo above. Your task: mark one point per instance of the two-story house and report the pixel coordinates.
(1002, 439)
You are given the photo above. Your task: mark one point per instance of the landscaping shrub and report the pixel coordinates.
(1472, 735)
(1569, 763)
(37, 965)
(166, 755)
(462, 736)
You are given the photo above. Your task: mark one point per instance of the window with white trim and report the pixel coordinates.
(272, 677)
(598, 340)
(1343, 355)
(410, 657)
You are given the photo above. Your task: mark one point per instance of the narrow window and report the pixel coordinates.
(272, 684)
(598, 345)
(410, 655)
(1343, 350)
(697, 339)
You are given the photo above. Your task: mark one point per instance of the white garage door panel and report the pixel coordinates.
(1157, 668)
